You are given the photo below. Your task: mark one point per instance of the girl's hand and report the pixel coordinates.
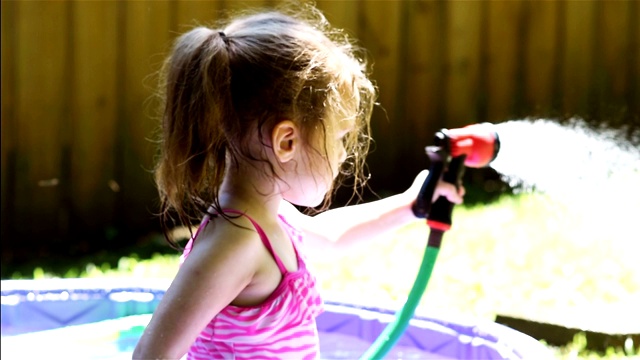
(442, 189)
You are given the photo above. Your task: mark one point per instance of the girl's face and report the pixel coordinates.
(336, 153)
(319, 164)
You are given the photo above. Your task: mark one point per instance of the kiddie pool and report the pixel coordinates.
(103, 319)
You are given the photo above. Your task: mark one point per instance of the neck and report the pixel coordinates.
(245, 189)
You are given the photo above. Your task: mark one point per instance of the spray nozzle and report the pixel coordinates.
(478, 142)
(474, 146)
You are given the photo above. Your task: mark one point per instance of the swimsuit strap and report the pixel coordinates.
(263, 237)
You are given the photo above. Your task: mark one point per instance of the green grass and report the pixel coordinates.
(524, 256)
(521, 255)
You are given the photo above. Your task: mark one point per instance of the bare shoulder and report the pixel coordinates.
(222, 263)
(222, 239)
(316, 232)
(224, 260)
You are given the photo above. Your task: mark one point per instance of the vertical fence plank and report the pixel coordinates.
(8, 128)
(463, 59)
(340, 14)
(634, 65)
(189, 14)
(503, 58)
(146, 41)
(610, 73)
(234, 7)
(578, 62)
(540, 56)
(423, 63)
(41, 106)
(94, 115)
(382, 43)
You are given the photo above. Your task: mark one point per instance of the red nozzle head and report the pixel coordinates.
(479, 142)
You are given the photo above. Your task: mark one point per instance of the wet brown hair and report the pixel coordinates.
(222, 84)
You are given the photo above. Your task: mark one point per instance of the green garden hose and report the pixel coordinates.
(394, 330)
(474, 145)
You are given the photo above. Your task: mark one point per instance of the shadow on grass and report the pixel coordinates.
(60, 264)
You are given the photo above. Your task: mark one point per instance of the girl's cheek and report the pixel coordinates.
(343, 154)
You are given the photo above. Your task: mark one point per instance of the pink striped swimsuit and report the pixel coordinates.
(283, 327)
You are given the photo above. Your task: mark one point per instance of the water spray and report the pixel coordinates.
(473, 146)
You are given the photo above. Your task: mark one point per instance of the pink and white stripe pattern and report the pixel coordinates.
(283, 327)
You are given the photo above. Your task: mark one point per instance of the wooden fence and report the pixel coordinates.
(76, 155)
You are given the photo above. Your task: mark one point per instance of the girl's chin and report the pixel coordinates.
(310, 204)
(308, 201)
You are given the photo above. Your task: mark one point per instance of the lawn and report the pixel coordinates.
(526, 256)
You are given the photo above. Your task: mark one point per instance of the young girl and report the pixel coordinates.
(260, 114)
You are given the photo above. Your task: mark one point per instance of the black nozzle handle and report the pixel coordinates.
(422, 204)
(441, 210)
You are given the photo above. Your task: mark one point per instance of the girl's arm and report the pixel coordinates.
(344, 227)
(212, 276)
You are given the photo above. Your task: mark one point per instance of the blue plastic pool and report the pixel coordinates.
(103, 319)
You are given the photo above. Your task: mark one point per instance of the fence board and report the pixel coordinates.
(610, 80)
(232, 7)
(612, 45)
(147, 39)
(94, 105)
(340, 14)
(541, 51)
(188, 14)
(424, 67)
(41, 109)
(463, 60)
(578, 64)
(7, 122)
(382, 44)
(634, 61)
(503, 59)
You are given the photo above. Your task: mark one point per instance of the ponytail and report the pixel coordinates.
(196, 83)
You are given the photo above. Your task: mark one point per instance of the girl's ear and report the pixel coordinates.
(285, 138)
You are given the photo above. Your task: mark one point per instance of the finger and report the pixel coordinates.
(417, 182)
(454, 196)
(449, 191)
(420, 178)
(458, 195)
(443, 189)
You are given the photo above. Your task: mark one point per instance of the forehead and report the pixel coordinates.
(346, 104)
(341, 118)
